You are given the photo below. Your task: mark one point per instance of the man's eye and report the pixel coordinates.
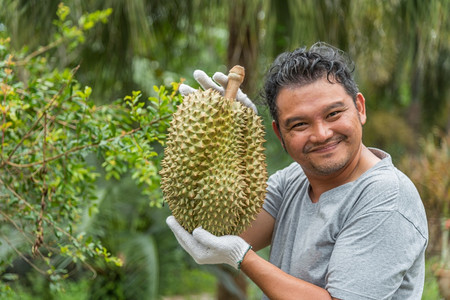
(334, 113)
(299, 125)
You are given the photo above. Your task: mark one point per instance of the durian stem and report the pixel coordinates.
(235, 79)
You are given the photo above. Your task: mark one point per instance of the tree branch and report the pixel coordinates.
(42, 114)
(40, 51)
(23, 256)
(78, 148)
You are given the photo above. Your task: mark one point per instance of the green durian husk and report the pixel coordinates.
(214, 167)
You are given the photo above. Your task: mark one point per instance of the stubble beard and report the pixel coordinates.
(326, 166)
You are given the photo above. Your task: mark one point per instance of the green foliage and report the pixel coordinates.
(126, 225)
(48, 127)
(431, 288)
(189, 281)
(76, 33)
(277, 157)
(397, 140)
(70, 290)
(429, 172)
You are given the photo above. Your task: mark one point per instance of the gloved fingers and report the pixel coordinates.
(241, 97)
(185, 89)
(173, 223)
(222, 79)
(205, 238)
(184, 238)
(206, 82)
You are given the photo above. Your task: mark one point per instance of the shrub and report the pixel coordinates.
(429, 172)
(48, 126)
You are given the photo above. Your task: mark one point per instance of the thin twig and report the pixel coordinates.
(39, 51)
(23, 256)
(87, 265)
(64, 124)
(54, 120)
(16, 226)
(34, 210)
(3, 121)
(19, 230)
(40, 224)
(78, 148)
(43, 113)
(75, 149)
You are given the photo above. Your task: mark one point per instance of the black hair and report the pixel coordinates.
(301, 67)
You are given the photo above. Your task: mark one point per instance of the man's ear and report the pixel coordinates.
(276, 129)
(361, 107)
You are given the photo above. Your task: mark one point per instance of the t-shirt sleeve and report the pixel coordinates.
(274, 194)
(372, 255)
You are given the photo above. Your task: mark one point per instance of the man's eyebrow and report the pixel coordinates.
(334, 105)
(291, 120)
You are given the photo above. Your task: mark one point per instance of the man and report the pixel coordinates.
(342, 221)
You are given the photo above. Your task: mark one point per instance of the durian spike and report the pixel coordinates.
(235, 79)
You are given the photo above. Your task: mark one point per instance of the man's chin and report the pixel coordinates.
(327, 169)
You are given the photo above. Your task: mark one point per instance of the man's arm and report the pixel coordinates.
(206, 248)
(259, 234)
(277, 284)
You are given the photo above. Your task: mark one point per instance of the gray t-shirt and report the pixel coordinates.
(363, 240)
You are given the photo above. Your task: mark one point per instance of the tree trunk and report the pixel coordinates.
(243, 41)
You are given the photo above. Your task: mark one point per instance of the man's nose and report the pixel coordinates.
(321, 133)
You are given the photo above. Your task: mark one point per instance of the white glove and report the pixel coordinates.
(207, 83)
(206, 248)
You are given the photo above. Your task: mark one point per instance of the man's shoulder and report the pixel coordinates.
(294, 166)
(287, 182)
(386, 188)
(389, 181)
(291, 172)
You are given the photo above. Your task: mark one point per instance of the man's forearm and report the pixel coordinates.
(277, 284)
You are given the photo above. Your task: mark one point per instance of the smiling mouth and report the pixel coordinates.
(330, 145)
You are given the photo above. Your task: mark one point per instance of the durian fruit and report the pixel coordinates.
(214, 171)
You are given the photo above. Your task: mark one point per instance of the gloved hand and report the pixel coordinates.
(207, 82)
(206, 248)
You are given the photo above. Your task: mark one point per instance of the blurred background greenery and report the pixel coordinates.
(402, 54)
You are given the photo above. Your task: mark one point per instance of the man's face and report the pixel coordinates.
(320, 126)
